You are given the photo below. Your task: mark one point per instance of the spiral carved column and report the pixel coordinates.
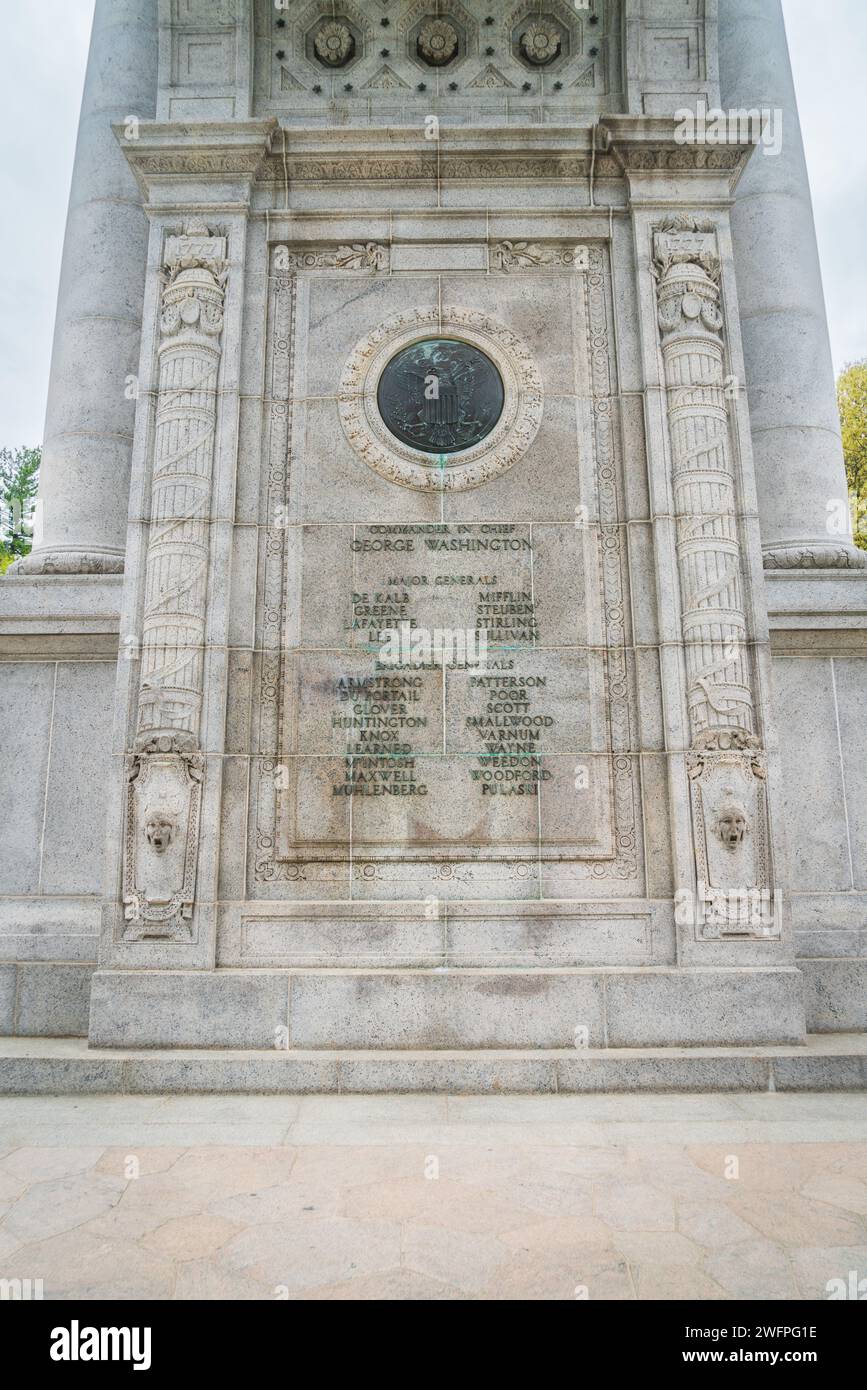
(725, 765)
(177, 559)
(165, 769)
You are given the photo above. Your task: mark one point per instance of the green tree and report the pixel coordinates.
(19, 478)
(852, 400)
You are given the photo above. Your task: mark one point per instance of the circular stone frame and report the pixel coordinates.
(399, 463)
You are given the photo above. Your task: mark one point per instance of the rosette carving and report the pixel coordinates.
(334, 44)
(438, 42)
(541, 42)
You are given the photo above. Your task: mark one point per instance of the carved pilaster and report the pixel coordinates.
(725, 765)
(165, 769)
(177, 558)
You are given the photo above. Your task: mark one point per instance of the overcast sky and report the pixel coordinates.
(43, 50)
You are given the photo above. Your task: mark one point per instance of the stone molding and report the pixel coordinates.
(262, 151)
(59, 560)
(280, 358)
(814, 557)
(650, 144)
(161, 150)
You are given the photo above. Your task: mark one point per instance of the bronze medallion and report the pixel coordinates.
(440, 395)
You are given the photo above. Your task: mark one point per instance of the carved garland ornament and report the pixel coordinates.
(526, 255)
(398, 462)
(359, 256)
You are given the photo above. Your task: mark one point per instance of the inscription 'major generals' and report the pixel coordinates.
(382, 719)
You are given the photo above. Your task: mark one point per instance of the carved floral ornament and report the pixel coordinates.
(398, 462)
(541, 42)
(368, 255)
(438, 42)
(333, 43)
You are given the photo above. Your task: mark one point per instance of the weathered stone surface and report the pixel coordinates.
(485, 1009)
(444, 725)
(56, 1067)
(53, 1000)
(737, 1006)
(836, 995)
(175, 1009)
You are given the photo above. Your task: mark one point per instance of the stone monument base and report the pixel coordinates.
(67, 1067)
(443, 1008)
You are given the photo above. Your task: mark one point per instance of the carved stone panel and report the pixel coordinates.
(467, 61)
(446, 693)
(161, 838)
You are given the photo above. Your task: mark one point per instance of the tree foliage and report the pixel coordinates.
(19, 478)
(852, 400)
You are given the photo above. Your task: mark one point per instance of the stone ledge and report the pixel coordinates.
(60, 615)
(63, 1067)
(803, 603)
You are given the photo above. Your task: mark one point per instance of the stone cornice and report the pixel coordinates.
(652, 145)
(621, 147)
(214, 151)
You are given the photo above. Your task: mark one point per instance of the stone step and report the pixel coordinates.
(63, 1066)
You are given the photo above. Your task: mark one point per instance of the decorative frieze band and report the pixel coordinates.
(375, 257)
(814, 557)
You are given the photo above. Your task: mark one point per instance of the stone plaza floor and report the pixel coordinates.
(421, 1197)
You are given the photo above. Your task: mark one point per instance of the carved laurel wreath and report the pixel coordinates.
(399, 463)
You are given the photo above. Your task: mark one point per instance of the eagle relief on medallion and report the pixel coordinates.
(440, 395)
